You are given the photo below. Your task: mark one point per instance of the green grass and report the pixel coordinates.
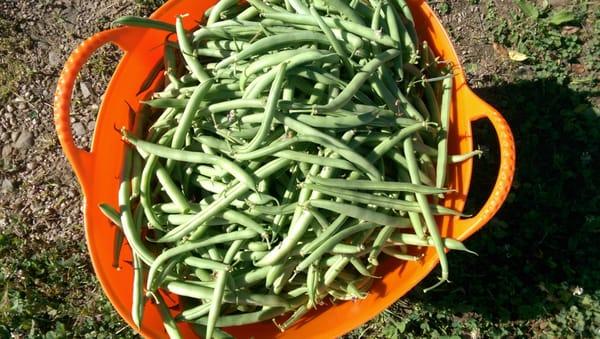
(538, 269)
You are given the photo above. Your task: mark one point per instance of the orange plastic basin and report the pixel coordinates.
(98, 173)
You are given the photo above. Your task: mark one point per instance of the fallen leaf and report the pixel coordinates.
(570, 30)
(561, 17)
(528, 8)
(501, 50)
(578, 68)
(516, 56)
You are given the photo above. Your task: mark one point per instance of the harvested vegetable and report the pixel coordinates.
(293, 148)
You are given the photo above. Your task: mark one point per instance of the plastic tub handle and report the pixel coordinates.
(505, 173)
(80, 159)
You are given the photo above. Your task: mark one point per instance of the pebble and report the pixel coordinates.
(7, 186)
(54, 58)
(25, 140)
(14, 136)
(91, 125)
(9, 108)
(4, 136)
(6, 150)
(78, 129)
(85, 91)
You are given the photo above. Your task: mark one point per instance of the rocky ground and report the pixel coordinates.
(47, 285)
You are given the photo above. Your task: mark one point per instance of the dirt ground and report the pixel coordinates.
(40, 202)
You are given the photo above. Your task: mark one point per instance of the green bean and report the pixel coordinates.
(354, 85)
(367, 185)
(331, 242)
(410, 27)
(145, 191)
(175, 251)
(168, 321)
(193, 157)
(295, 233)
(195, 312)
(400, 255)
(248, 13)
(171, 189)
(335, 43)
(458, 158)
(347, 249)
(127, 222)
(360, 213)
(273, 210)
(315, 159)
(274, 272)
(243, 219)
(138, 298)
(326, 234)
(136, 173)
(442, 154)
(281, 281)
(251, 256)
(187, 52)
(218, 333)
(266, 61)
(334, 270)
(214, 16)
(330, 142)
(361, 268)
(349, 26)
(399, 159)
(370, 199)
(206, 264)
(135, 21)
(270, 109)
(344, 121)
(411, 239)
(426, 211)
(272, 42)
(415, 218)
(200, 292)
(248, 318)
(219, 291)
(252, 277)
(268, 150)
(219, 205)
(112, 214)
(260, 83)
(388, 144)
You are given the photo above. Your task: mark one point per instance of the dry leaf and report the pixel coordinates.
(501, 50)
(570, 30)
(578, 68)
(517, 56)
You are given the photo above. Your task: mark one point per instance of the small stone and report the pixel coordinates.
(54, 58)
(21, 106)
(91, 125)
(6, 150)
(78, 129)
(14, 136)
(9, 108)
(85, 90)
(7, 186)
(30, 166)
(25, 140)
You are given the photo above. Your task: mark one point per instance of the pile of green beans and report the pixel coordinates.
(294, 145)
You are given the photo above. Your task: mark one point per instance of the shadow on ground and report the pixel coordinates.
(543, 247)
